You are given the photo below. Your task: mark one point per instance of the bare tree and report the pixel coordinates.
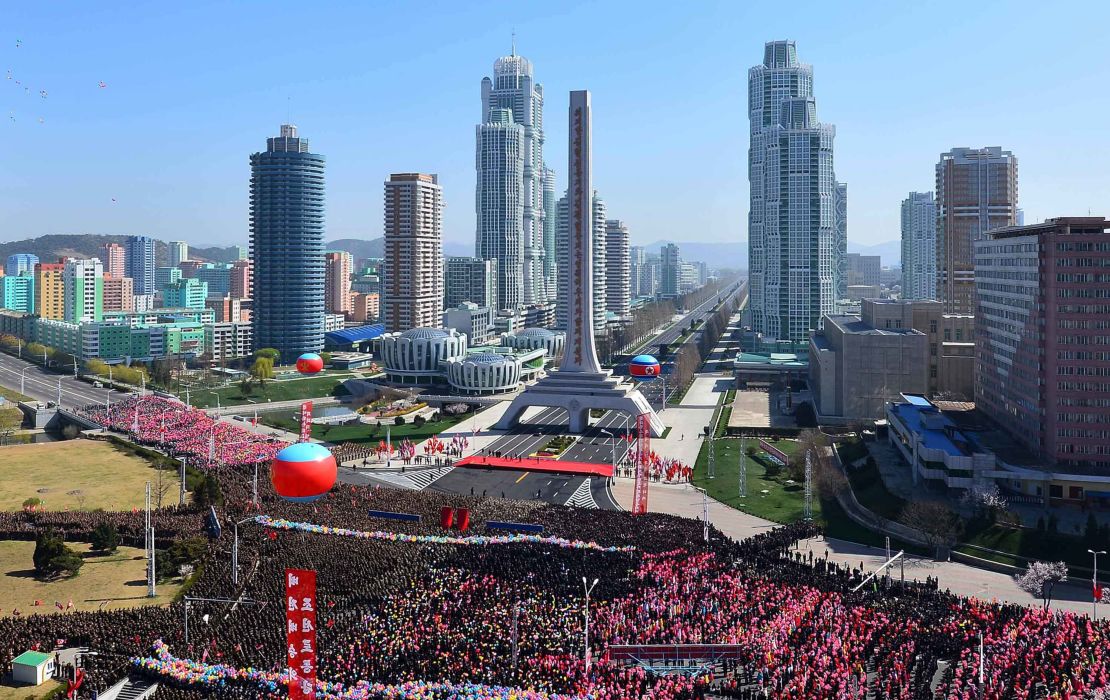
(936, 521)
(1040, 578)
(80, 496)
(162, 486)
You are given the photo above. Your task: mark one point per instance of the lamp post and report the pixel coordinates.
(181, 491)
(235, 550)
(614, 444)
(218, 408)
(586, 648)
(22, 378)
(1094, 584)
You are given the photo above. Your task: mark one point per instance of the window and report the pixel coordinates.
(1075, 493)
(1055, 491)
(947, 334)
(959, 334)
(933, 327)
(932, 349)
(933, 372)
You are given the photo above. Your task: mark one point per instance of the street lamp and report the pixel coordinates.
(22, 377)
(218, 408)
(614, 443)
(586, 648)
(235, 550)
(1094, 584)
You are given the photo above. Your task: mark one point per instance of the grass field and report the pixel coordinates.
(117, 581)
(362, 432)
(8, 692)
(284, 390)
(55, 471)
(13, 395)
(782, 502)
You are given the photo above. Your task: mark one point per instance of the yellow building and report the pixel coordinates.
(50, 295)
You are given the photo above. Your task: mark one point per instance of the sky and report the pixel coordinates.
(191, 89)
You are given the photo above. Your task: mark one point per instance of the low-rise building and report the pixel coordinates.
(365, 307)
(228, 340)
(473, 320)
(551, 342)
(416, 356)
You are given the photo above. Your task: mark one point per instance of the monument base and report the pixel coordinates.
(578, 392)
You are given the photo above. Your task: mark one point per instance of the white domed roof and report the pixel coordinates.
(535, 333)
(489, 358)
(424, 333)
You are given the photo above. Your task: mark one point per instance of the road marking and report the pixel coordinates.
(521, 478)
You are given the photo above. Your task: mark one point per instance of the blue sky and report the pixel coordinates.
(380, 87)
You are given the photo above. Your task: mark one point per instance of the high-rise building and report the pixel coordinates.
(864, 269)
(562, 319)
(840, 207)
(239, 280)
(50, 296)
(618, 276)
(977, 191)
(337, 282)
(1041, 342)
(188, 293)
(225, 309)
(17, 293)
(287, 246)
(366, 307)
(412, 282)
(140, 262)
(242, 253)
(510, 180)
(499, 203)
(470, 279)
(793, 241)
(179, 252)
(115, 260)
(670, 272)
(165, 276)
(550, 229)
(20, 264)
(919, 246)
(217, 276)
(119, 293)
(636, 260)
(83, 282)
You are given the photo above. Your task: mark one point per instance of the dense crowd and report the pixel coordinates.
(494, 618)
(184, 431)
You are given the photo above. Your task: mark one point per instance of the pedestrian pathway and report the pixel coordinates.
(582, 497)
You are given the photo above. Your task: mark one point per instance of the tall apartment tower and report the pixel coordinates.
(119, 293)
(20, 264)
(140, 263)
(412, 279)
(550, 232)
(840, 207)
(636, 260)
(179, 252)
(115, 260)
(618, 275)
(50, 295)
(562, 237)
(239, 281)
(499, 203)
(83, 282)
(670, 278)
(1041, 353)
(977, 191)
(793, 242)
(287, 245)
(470, 279)
(514, 95)
(919, 246)
(337, 282)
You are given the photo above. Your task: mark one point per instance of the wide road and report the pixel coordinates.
(698, 313)
(42, 385)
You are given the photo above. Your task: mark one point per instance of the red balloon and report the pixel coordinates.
(310, 363)
(303, 472)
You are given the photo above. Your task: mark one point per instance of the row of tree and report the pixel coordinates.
(690, 356)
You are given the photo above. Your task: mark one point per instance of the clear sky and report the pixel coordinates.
(379, 87)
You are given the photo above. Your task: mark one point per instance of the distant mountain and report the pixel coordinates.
(375, 247)
(214, 254)
(50, 248)
(733, 255)
(889, 251)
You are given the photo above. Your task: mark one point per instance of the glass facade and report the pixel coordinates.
(287, 246)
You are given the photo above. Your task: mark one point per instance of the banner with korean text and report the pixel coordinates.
(306, 421)
(300, 625)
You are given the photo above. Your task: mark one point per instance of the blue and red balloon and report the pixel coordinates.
(303, 472)
(644, 367)
(310, 363)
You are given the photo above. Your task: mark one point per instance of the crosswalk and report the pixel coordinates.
(423, 478)
(582, 497)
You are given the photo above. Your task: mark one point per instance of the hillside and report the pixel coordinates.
(375, 247)
(50, 248)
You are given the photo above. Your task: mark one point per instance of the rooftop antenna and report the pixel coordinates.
(514, 42)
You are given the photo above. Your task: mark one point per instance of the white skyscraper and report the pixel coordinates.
(179, 252)
(618, 276)
(83, 286)
(919, 246)
(550, 226)
(561, 245)
(792, 224)
(512, 231)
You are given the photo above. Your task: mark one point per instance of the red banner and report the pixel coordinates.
(306, 421)
(300, 625)
(643, 457)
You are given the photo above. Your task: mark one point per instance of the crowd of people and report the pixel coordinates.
(184, 431)
(424, 615)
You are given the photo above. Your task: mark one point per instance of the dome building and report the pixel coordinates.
(550, 341)
(484, 373)
(417, 356)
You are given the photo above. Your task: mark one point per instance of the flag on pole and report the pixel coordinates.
(1096, 590)
(211, 447)
(135, 422)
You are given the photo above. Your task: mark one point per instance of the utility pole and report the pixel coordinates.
(705, 515)
(743, 471)
(1094, 585)
(150, 569)
(712, 463)
(808, 511)
(586, 648)
(59, 392)
(181, 490)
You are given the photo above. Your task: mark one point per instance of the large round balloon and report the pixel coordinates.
(310, 363)
(644, 367)
(303, 472)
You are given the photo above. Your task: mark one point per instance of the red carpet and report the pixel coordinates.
(526, 464)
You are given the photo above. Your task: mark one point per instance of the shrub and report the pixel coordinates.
(105, 537)
(399, 420)
(32, 503)
(53, 557)
(419, 421)
(208, 492)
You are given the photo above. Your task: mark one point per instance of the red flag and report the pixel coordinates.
(1096, 590)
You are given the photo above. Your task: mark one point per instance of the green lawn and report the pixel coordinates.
(13, 395)
(284, 390)
(872, 493)
(1028, 543)
(782, 503)
(361, 432)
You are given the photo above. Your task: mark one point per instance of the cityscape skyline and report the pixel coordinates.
(131, 109)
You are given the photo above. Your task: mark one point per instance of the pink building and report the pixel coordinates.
(337, 282)
(115, 260)
(119, 293)
(240, 285)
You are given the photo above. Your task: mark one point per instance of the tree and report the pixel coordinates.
(53, 557)
(815, 443)
(262, 369)
(399, 420)
(162, 486)
(805, 416)
(272, 354)
(105, 537)
(1040, 578)
(207, 492)
(11, 419)
(936, 521)
(97, 367)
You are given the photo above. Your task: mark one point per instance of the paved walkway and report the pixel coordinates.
(706, 390)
